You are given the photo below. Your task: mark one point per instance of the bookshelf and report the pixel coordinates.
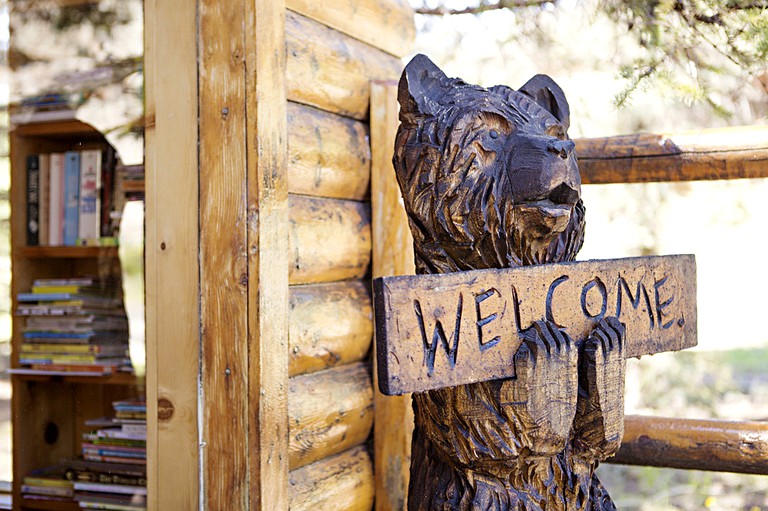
(49, 411)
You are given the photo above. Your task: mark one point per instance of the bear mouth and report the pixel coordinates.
(543, 219)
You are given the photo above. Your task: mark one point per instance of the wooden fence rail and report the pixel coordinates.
(716, 445)
(726, 153)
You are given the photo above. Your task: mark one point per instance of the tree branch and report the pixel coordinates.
(483, 7)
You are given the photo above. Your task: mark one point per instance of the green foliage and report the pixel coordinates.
(689, 43)
(698, 51)
(103, 16)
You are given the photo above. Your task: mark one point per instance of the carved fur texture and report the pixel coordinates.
(490, 180)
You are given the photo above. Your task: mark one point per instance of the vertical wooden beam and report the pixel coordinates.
(392, 255)
(172, 284)
(235, 217)
(267, 147)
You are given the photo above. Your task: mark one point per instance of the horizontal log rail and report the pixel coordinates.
(726, 153)
(715, 445)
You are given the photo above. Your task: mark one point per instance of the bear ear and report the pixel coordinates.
(548, 95)
(422, 87)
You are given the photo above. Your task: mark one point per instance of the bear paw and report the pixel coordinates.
(543, 394)
(599, 424)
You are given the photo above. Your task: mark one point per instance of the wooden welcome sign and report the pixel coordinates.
(444, 330)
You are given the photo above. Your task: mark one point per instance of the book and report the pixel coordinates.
(72, 288)
(77, 466)
(124, 489)
(113, 437)
(69, 358)
(54, 100)
(73, 281)
(100, 349)
(48, 309)
(56, 200)
(107, 191)
(119, 433)
(89, 218)
(39, 116)
(45, 201)
(71, 196)
(111, 501)
(62, 371)
(49, 490)
(70, 299)
(114, 459)
(33, 200)
(75, 323)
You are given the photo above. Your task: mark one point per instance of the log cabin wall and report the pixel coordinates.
(331, 60)
(259, 239)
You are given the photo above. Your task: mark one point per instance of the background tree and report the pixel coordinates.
(685, 46)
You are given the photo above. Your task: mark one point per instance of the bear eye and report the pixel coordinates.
(556, 131)
(493, 134)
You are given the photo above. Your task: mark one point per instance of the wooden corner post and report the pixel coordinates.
(243, 247)
(392, 255)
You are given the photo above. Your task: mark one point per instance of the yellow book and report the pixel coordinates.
(84, 349)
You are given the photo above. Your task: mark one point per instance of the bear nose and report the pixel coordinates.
(560, 147)
(564, 194)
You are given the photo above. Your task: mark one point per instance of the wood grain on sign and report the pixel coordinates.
(724, 153)
(437, 331)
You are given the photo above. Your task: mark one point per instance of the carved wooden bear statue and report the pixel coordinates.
(490, 180)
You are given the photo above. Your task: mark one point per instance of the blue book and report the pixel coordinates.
(71, 196)
(46, 297)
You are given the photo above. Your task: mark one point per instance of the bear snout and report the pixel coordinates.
(562, 148)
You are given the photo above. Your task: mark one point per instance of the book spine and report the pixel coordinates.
(33, 200)
(71, 196)
(70, 348)
(56, 196)
(107, 191)
(89, 216)
(45, 201)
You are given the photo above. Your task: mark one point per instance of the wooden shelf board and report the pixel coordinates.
(112, 379)
(49, 505)
(68, 252)
(44, 129)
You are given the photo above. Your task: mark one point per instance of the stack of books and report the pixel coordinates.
(50, 107)
(131, 179)
(70, 198)
(74, 326)
(112, 474)
(121, 440)
(48, 484)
